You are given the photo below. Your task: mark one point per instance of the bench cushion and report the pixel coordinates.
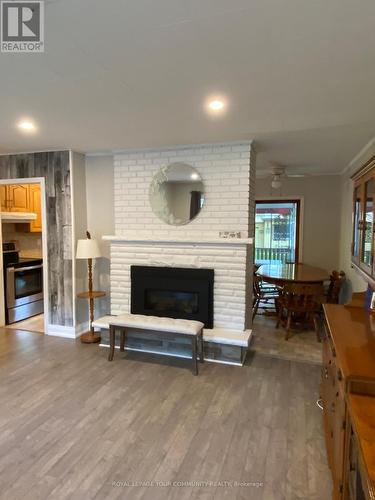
(183, 326)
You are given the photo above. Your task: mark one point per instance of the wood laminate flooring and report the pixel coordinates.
(34, 324)
(269, 340)
(74, 426)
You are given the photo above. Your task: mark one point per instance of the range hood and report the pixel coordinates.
(14, 217)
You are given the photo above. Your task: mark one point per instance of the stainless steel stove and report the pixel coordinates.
(23, 285)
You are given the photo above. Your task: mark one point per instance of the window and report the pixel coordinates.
(277, 231)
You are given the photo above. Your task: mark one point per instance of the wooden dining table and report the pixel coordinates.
(280, 273)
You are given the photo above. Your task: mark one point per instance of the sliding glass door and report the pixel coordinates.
(277, 231)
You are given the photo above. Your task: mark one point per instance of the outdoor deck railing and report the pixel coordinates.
(279, 254)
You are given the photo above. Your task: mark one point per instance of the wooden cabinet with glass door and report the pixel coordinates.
(357, 218)
(363, 220)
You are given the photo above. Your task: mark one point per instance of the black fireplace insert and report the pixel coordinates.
(173, 292)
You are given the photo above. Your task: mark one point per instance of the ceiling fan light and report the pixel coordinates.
(276, 182)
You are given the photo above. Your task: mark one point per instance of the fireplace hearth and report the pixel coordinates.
(183, 293)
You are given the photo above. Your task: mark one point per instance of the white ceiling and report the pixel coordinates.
(299, 77)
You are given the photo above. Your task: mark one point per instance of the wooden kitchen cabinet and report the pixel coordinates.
(348, 369)
(4, 197)
(23, 198)
(18, 195)
(14, 197)
(35, 206)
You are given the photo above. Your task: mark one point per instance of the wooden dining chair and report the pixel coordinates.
(263, 293)
(303, 300)
(336, 281)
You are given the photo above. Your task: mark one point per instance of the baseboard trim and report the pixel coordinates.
(67, 332)
(82, 328)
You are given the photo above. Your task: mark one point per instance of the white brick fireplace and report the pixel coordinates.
(232, 281)
(228, 173)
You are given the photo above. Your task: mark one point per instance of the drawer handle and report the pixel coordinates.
(319, 403)
(339, 375)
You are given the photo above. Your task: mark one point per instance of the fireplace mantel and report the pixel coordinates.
(192, 240)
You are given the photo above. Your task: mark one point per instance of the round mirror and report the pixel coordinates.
(177, 194)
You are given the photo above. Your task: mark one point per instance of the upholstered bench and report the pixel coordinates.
(221, 345)
(167, 327)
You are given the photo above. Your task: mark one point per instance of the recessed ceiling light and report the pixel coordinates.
(216, 105)
(194, 176)
(26, 126)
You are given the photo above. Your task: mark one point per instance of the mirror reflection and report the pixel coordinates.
(177, 194)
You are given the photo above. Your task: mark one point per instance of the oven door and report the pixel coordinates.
(24, 285)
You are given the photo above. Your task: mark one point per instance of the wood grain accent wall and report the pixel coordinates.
(55, 168)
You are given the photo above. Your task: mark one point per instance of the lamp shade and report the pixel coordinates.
(88, 249)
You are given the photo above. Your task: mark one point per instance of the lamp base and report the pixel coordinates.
(90, 338)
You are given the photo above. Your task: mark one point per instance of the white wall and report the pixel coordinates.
(100, 220)
(321, 217)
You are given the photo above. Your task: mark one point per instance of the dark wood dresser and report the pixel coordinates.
(348, 370)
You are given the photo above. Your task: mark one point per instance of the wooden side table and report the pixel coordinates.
(90, 337)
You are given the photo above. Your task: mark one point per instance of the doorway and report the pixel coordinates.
(24, 287)
(277, 231)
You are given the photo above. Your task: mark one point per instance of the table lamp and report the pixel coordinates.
(89, 249)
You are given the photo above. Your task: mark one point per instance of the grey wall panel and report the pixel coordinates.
(55, 168)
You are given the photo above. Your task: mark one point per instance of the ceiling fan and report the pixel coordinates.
(278, 172)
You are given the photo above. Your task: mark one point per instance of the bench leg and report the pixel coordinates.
(201, 347)
(112, 331)
(122, 339)
(194, 354)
